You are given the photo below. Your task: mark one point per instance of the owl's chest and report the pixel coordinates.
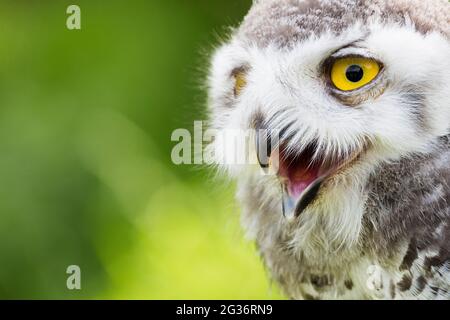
(312, 268)
(359, 278)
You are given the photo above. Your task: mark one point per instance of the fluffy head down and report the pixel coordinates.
(289, 22)
(397, 122)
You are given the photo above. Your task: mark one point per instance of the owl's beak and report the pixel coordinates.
(292, 207)
(301, 175)
(296, 192)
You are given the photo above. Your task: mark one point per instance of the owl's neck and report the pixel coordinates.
(408, 199)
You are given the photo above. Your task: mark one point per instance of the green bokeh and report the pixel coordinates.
(85, 124)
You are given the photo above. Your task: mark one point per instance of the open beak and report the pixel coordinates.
(301, 175)
(293, 207)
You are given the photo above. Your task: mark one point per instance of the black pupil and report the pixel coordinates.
(354, 73)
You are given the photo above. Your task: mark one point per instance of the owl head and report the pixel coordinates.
(348, 85)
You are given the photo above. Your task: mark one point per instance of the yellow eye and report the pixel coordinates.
(240, 79)
(349, 74)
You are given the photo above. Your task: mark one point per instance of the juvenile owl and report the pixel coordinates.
(356, 204)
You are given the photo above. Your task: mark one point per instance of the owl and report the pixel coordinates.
(352, 199)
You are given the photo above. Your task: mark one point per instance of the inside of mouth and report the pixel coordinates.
(300, 170)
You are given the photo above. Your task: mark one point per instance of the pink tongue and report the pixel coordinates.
(300, 179)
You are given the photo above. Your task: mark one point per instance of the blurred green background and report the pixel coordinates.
(85, 170)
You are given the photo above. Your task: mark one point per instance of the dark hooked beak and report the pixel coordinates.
(293, 208)
(292, 205)
(263, 148)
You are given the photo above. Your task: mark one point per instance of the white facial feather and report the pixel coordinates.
(289, 81)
